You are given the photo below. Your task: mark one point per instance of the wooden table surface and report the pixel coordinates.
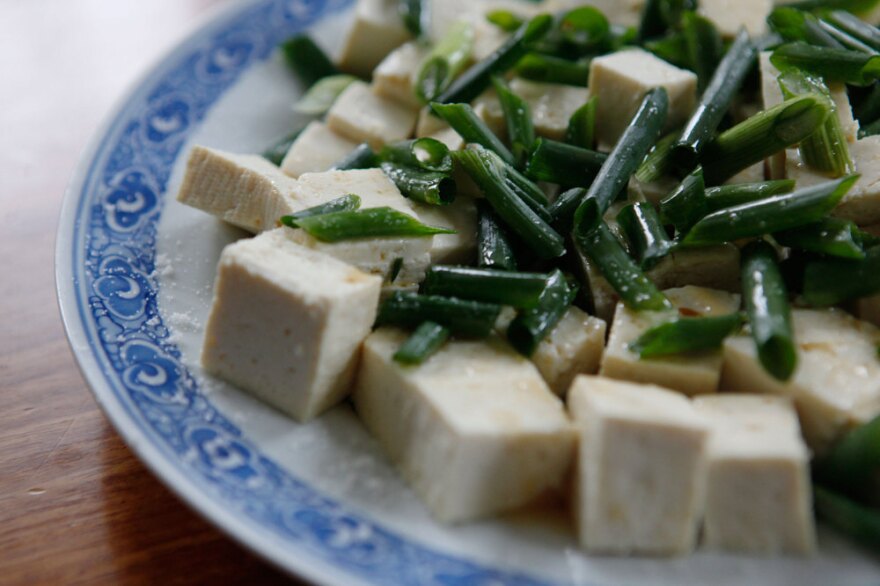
(76, 507)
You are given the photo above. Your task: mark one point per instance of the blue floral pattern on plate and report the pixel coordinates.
(113, 249)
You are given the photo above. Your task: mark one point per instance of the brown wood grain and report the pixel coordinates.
(76, 507)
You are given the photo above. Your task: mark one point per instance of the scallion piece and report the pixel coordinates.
(478, 78)
(853, 464)
(826, 150)
(852, 67)
(603, 248)
(762, 135)
(413, 13)
(686, 335)
(430, 187)
(276, 153)
(856, 27)
(520, 290)
(427, 154)
(796, 25)
(445, 62)
(687, 204)
(581, 130)
(658, 163)
(846, 40)
(383, 222)
(550, 69)
(637, 140)
(563, 209)
(362, 157)
(704, 46)
(518, 117)
(505, 20)
(470, 319)
(422, 344)
(488, 172)
(767, 305)
(307, 60)
(346, 203)
(774, 214)
(648, 240)
(563, 164)
(463, 119)
(830, 236)
(531, 326)
(728, 196)
(857, 521)
(715, 103)
(321, 96)
(833, 281)
(493, 247)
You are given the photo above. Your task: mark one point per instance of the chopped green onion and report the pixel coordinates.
(383, 222)
(658, 163)
(550, 69)
(852, 67)
(637, 140)
(488, 172)
(687, 204)
(796, 25)
(830, 236)
(307, 60)
(505, 20)
(362, 157)
(833, 281)
(518, 116)
(427, 154)
(413, 13)
(762, 135)
(346, 203)
(766, 300)
(648, 240)
(531, 326)
(856, 27)
(853, 464)
(603, 248)
(716, 101)
(463, 119)
(846, 40)
(445, 62)
(276, 153)
(704, 46)
(563, 164)
(563, 209)
(581, 130)
(476, 79)
(396, 267)
(463, 318)
(430, 187)
(685, 335)
(728, 196)
(424, 343)
(855, 520)
(774, 214)
(493, 247)
(320, 97)
(520, 290)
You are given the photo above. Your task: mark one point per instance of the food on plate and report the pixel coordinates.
(623, 253)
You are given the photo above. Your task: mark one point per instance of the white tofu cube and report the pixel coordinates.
(317, 149)
(375, 256)
(461, 215)
(245, 190)
(622, 12)
(287, 323)
(640, 479)
(394, 78)
(574, 347)
(474, 430)
(376, 30)
(731, 15)
(693, 374)
(758, 495)
(837, 382)
(362, 116)
(862, 203)
(621, 80)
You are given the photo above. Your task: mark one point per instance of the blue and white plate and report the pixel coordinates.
(135, 272)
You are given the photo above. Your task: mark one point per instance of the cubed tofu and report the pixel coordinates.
(474, 430)
(641, 469)
(376, 256)
(287, 323)
(376, 30)
(694, 374)
(621, 80)
(731, 15)
(862, 203)
(753, 174)
(245, 190)
(317, 149)
(362, 116)
(622, 12)
(394, 78)
(837, 382)
(552, 105)
(574, 347)
(461, 215)
(758, 495)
